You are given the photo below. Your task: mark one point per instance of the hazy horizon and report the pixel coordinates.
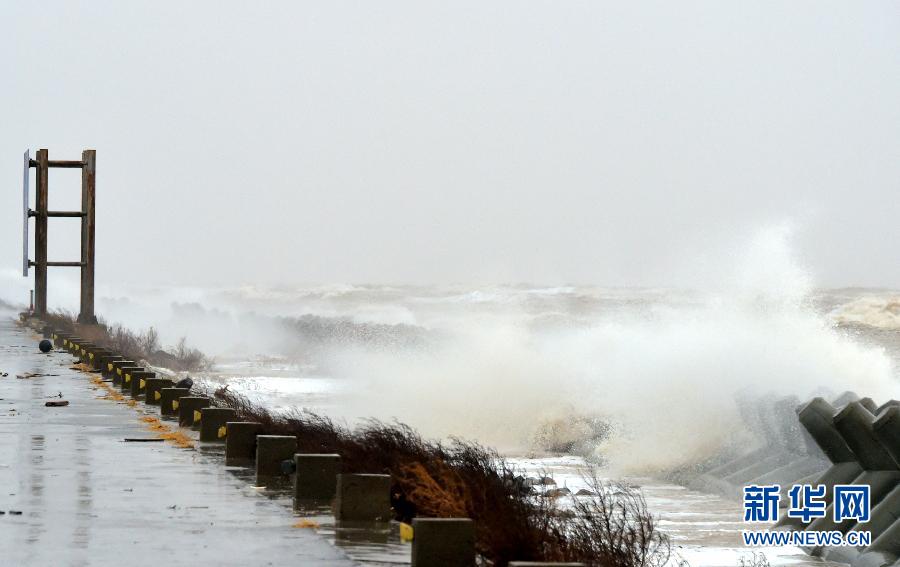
(416, 142)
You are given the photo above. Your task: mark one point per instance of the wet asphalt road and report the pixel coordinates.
(88, 498)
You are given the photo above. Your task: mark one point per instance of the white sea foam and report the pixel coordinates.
(667, 375)
(875, 310)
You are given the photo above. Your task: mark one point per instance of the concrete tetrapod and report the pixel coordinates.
(786, 454)
(883, 524)
(817, 417)
(806, 457)
(855, 423)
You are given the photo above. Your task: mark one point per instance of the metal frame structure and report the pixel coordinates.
(42, 164)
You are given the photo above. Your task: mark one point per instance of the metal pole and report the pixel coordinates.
(40, 235)
(88, 173)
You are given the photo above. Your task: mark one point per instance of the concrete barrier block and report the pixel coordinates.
(59, 338)
(139, 382)
(94, 355)
(127, 371)
(152, 392)
(363, 497)
(104, 362)
(212, 423)
(116, 373)
(109, 369)
(189, 409)
(271, 450)
(70, 343)
(315, 479)
(170, 398)
(446, 542)
(82, 350)
(240, 442)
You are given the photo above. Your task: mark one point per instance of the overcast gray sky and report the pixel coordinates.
(418, 141)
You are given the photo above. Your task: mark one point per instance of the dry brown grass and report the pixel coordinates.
(464, 479)
(141, 345)
(178, 439)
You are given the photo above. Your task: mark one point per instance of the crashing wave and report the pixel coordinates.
(882, 312)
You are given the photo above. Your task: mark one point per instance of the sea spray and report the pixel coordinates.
(666, 375)
(661, 369)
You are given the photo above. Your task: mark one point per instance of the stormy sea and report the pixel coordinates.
(633, 382)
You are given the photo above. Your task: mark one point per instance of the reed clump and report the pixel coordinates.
(140, 345)
(464, 479)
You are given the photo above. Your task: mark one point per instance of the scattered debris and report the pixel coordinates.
(15, 512)
(304, 523)
(57, 404)
(143, 440)
(179, 439)
(33, 375)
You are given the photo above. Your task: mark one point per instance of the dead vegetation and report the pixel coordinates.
(141, 345)
(465, 479)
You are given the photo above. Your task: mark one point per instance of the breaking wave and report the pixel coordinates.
(878, 311)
